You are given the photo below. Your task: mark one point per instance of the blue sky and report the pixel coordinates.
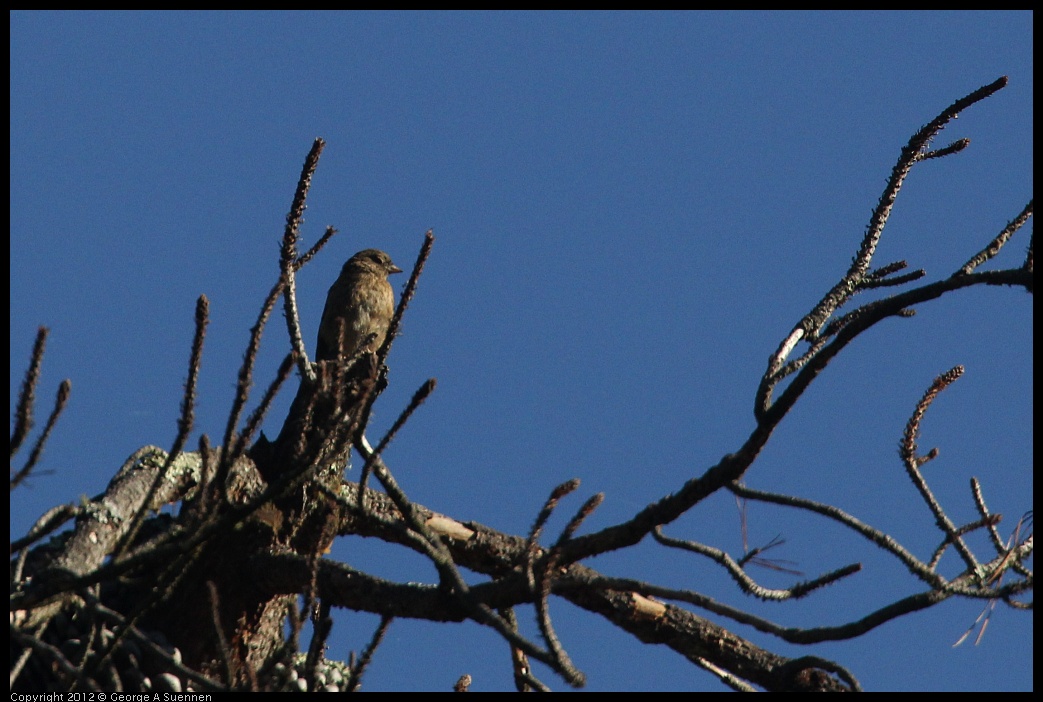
(631, 211)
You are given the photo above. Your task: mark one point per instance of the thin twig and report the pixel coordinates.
(27, 395)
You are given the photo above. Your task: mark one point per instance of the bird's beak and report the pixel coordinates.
(394, 269)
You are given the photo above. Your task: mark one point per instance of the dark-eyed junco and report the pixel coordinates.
(363, 298)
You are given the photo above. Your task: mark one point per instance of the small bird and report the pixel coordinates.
(362, 297)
